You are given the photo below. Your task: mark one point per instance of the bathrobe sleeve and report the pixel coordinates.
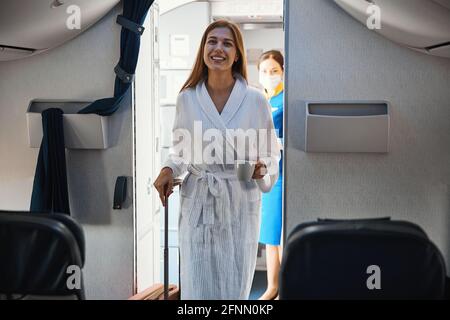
(269, 147)
(175, 160)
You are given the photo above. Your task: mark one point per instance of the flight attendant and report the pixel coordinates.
(271, 70)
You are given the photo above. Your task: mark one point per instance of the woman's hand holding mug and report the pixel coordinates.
(260, 170)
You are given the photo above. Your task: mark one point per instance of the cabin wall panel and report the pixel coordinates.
(79, 69)
(331, 56)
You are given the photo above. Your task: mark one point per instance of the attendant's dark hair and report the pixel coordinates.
(272, 54)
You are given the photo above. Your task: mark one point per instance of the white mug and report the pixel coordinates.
(245, 169)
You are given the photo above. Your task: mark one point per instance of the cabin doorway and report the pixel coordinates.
(168, 51)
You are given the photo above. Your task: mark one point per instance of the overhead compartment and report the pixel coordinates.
(8, 53)
(442, 51)
(28, 27)
(422, 25)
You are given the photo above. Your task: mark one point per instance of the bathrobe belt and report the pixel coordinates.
(211, 196)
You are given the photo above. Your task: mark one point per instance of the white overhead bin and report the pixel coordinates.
(81, 131)
(8, 53)
(423, 25)
(442, 51)
(29, 27)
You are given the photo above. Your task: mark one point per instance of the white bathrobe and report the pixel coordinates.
(220, 215)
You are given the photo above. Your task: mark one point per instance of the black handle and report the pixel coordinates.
(120, 192)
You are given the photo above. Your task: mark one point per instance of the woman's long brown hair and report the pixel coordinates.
(200, 70)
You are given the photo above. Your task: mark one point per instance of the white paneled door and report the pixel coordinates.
(147, 156)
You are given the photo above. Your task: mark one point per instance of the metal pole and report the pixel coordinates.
(166, 249)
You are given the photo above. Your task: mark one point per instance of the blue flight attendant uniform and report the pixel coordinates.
(271, 218)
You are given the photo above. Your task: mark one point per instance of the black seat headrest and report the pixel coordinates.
(36, 250)
(333, 259)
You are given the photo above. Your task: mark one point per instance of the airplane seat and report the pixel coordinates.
(361, 260)
(41, 256)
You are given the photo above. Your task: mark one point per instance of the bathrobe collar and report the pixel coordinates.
(233, 104)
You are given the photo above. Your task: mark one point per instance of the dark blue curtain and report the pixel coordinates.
(50, 181)
(130, 42)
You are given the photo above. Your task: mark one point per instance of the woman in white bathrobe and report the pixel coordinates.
(220, 214)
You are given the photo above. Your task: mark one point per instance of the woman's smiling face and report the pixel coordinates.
(220, 51)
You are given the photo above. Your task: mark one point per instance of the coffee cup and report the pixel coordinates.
(245, 169)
